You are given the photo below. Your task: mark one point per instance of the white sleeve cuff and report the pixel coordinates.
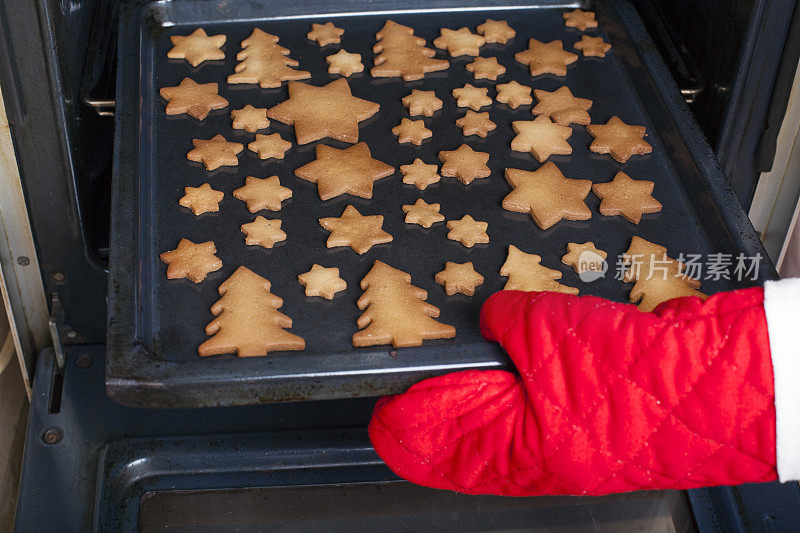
(782, 310)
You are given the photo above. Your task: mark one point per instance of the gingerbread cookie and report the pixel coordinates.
(584, 257)
(525, 273)
(400, 53)
(347, 171)
(263, 61)
(321, 281)
(458, 277)
(618, 139)
(194, 99)
(263, 232)
(192, 261)
(473, 97)
(580, 20)
(475, 124)
(197, 47)
(465, 164)
(202, 199)
(541, 137)
(547, 195)
(269, 146)
(496, 31)
(420, 174)
(546, 58)
(260, 194)
(325, 34)
(215, 152)
(561, 106)
(627, 197)
(514, 94)
(459, 42)
(250, 119)
(422, 213)
(422, 103)
(318, 112)
(355, 230)
(592, 46)
(468, 231)
(411, 131)
(344, 63)
(486, 68)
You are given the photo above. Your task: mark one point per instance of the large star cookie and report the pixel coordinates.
(561, 106)
(202, 199)
(194, 99)
(541, 137)
(422, 103)
(459, 42)
(458, 277)
(547, 195)
(321, 281)
(627, 197)
(318, 112)
(196, 47)
(420, 174)
(546, 58)
(192, 261)
(260, 194)
(347, 171)
(355, 230)
(525, 273)
(618, 139)
(215, 152)
(468, 231)
(465, 164)
(496, 31)
(422, 213)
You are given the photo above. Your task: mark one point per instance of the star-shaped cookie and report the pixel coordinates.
(547, 195)
(458, 277)
(266, 193)
(475, 124)
(355, 230)
(215, 152)
(459, 42)
(192, 261)
(580, 20)
(194, 99)
(344, 63)
(583, 257)
(468, 231)
(627, 197)
(496, 31)
(593, 46)
(420, 174)
(465, 164)
(561, 106)
(327, 111)
(541, 137)
(514, 94)
(321, 281)
(411, 131)
(424, 214)
(618, 139)
(202, 199)
(196, 47)
(263, 232)
(325, 34)
(250, 119)
(344, 171)
(473, 97)
(546, 58)
(486, 68)
(422, 103)
(269, 146)
(525, 273)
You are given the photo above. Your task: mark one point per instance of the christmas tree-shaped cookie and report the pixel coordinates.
(400, 53)
(248, 322)
(395, 311)
(265, 62)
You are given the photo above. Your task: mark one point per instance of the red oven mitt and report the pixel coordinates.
(610, 399)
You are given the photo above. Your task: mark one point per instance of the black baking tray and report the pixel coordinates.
(155, 324)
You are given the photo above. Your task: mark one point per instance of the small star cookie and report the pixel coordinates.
(202, 199)
(458, 277)
(525, 273)
(592, 46)
(194, 99)
(321, 281)
(496, 31)
(580, 20)
(355, 230)
(547, 195)
(269, 146)
(627, 197)
(263, 232)
(422, 103)
(465, 164)
(561, 106)
(350, 170)
(514, 94)
(215, 152)
(546, 58)
(192, 261)
(459, 42)
(325, 34)
(344, 63)
(468, 231)
(420, 174)
(541, 137)
(197, 47)
(475, 124)
(473, 97)
(486, 68)
(266, 193)
(618, 139)
(583, 257)
(250, 119)
(411, 131)
(424, 214)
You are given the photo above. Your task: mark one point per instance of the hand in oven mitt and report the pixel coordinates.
(610, 399)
